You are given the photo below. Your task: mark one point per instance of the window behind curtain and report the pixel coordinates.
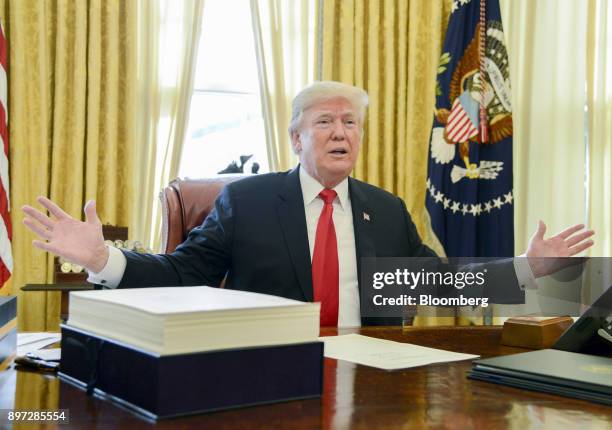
(225, 120)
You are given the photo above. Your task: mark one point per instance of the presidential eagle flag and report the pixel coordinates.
(469, 183)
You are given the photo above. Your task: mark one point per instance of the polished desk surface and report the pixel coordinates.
(431, 397)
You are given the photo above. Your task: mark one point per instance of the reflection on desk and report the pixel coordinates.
(438, 396)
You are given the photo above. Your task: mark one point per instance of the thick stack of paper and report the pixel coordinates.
(178, 320)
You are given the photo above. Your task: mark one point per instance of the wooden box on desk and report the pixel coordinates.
(171, 385)
(534, 332)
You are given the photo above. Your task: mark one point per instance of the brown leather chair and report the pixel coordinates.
(185, 204)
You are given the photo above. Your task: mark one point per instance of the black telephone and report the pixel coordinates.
(606, 330)
(592, 333)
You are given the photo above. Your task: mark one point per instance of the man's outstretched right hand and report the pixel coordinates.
(79, 242)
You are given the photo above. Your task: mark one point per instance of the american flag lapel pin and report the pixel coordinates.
(366, 216)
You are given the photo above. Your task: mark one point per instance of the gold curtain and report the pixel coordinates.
(391, 49)
(599, 102)
(285, 58)
(71, 119)
(547, 71)
(168, 37)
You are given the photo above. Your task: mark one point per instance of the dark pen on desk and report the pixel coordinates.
(34, 362)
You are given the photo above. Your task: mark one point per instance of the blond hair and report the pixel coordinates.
(321, 91)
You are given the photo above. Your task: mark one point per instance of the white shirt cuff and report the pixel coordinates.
(524, 274)
(110, 276)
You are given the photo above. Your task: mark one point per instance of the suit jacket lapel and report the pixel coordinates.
(292, 220)
(363, 217)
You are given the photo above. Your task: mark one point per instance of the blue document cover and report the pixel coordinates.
(564, 373)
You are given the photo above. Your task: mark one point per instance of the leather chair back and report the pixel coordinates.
(185, 205)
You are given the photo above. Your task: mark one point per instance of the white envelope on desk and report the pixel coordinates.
(386, 354)
(29, 342)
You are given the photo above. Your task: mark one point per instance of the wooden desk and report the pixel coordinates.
(432, 397)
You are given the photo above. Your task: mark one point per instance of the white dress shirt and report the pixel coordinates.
(349, 312)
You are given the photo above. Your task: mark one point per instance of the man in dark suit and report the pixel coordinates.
(299, 234)
(258, 231)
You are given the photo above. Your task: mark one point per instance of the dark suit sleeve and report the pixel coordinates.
(203, 259)
(502, 285)
(417, 248)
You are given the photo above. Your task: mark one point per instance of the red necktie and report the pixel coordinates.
(325, 262)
